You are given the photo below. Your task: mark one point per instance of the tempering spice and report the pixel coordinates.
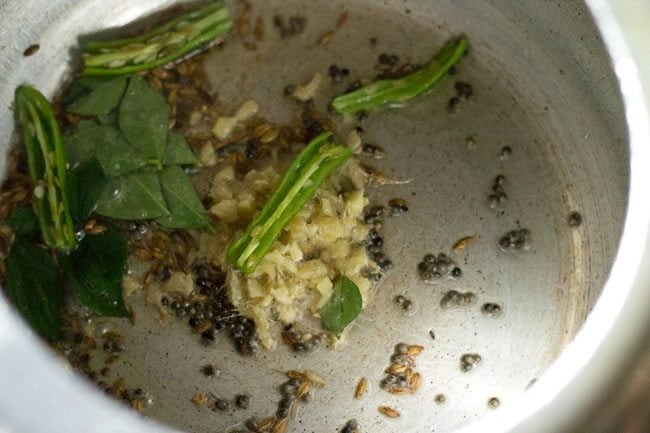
(401, 377)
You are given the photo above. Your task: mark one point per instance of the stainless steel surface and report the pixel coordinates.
(556, 103)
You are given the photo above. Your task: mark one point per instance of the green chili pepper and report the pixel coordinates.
(47, 165)
(400, 90)
(305, 175)
(157, 47)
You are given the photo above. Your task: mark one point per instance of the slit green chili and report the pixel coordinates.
(158, 47)
(47, 165)
(305, 175)
(400, 90)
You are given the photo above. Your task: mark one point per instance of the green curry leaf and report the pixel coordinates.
(178, 152)
(111, 118)
(344, 306)
(94, 96)
(107, 144)
(95, 271)
(185, 207)
(23, 221)
(87, 182)
(144, 119)
(134, 196)
(35, 287)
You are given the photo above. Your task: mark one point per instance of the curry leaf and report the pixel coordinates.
(144, 119)
(83, 141)
(134, 196)
(35, 287)
(178, 152)
(107, 144)
(95, 271)
(87, 182)
(185, 207)
(343, 307)
(94, 96)
(111, 118)
(23, 221)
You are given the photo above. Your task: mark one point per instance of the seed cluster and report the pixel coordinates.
(249, 32)
(295, 25)
(453, 299)
(301, 342)
(469, 362)
(352, 426)
(255, 141)
(388, 67)
(498, 196)
(405, 303)
(401, 378)
(397, 206)
(574, 219)
(491, 309)
(470, 142)
(77, 346)
(135, 397)
(211, 312)
(220, 404)
(374, 214)
(163, 251)
(388, 59)
(313, 123)
(216, 404)
(113, 343)
(242, 401)
(298, 388)
(465, 91)
(515, 240)
(375, 248)
(373, 151)
(210, 371)
(338, 74)
(434, 268)
(494, 403)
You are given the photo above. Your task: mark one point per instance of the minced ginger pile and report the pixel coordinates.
(324, 240)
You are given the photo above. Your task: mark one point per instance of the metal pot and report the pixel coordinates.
(574, 110)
